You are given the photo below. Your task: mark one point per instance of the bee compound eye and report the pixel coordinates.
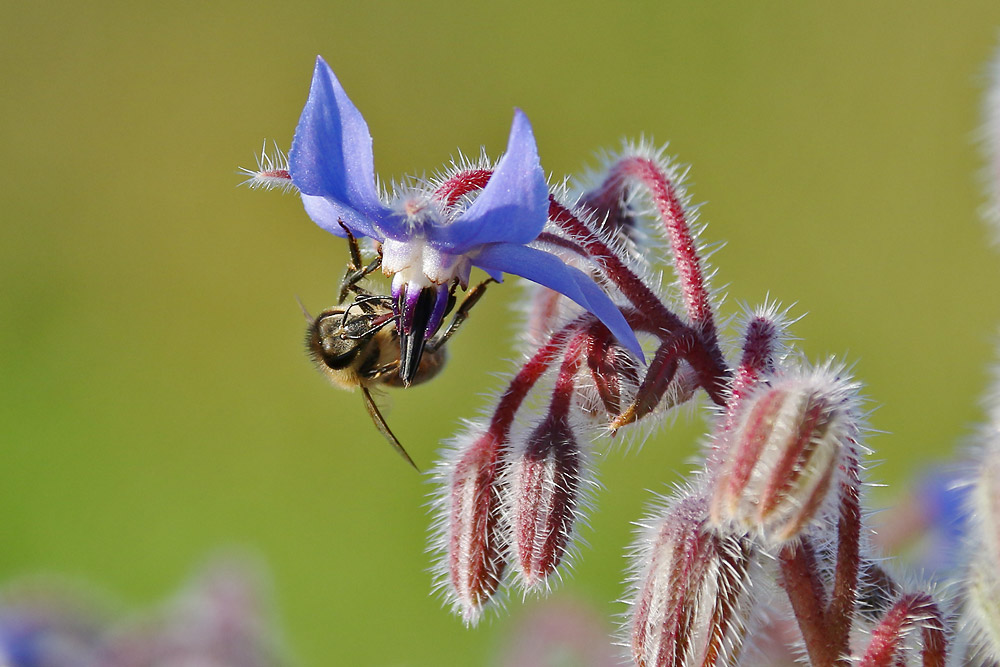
(337, 351)
(326, 343)
(329, 323)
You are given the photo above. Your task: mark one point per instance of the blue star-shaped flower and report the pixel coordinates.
(426, 245)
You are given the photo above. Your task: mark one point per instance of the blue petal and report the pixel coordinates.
(328, 214)
(331, 157)
(548, 270)
(514, 205)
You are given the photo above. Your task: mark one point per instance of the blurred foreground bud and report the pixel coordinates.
(983, 576)
(783, 452)
(560, 632)
(991, 144)
(47, 624)
(693, 593)
(223, 618)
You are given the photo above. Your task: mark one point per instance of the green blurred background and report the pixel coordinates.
(155, 401)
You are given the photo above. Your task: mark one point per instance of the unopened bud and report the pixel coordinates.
(783, 453)
(472, 542)
(693, 593)
(271, 172)
(544, 496)
(611, 382)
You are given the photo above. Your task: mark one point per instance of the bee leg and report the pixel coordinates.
(351, 278)
(364, 302)
(383, 428)
(355, 270)
(376, 327)
(365, 299)
(352, 246)
(382, 371)
(471, 298)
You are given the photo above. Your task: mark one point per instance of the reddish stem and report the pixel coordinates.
(275, 173)
(838, 616)
(637, 292)
(634, 289)
(529, 375)
(800, 579)
(759, 344)
(886, 645)
(658, 377)
(562, 393)
(845, 586)
(662, 323)
(605, 372)
(687, 263)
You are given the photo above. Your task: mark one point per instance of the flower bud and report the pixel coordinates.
(544, 494)
(693, 595)
(469, 529)
(783, 453)
(608, 381)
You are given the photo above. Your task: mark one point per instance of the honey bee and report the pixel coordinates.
(356, 345)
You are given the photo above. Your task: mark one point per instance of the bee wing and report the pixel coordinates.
(384, 428)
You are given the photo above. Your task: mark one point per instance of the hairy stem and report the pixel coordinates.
(845, 585)
(800, 579)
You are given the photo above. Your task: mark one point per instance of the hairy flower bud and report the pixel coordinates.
(473, 543)
(693, 594)
(545, 476)
(544, 494)
(783, 452)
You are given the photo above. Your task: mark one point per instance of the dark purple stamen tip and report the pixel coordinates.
(416, 310)
(442, 297)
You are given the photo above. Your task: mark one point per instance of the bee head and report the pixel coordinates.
(329, 340)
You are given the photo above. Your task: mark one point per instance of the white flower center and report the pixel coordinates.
(416, 263)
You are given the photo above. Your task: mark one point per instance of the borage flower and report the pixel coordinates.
(428, 245)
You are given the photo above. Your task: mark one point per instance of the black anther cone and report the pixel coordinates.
(412, 344)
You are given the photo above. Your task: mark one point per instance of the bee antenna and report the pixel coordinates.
(309, 318)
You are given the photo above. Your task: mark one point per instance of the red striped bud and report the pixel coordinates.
(544, 495)
(470, 526)
(693, 596)
(783, 452)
